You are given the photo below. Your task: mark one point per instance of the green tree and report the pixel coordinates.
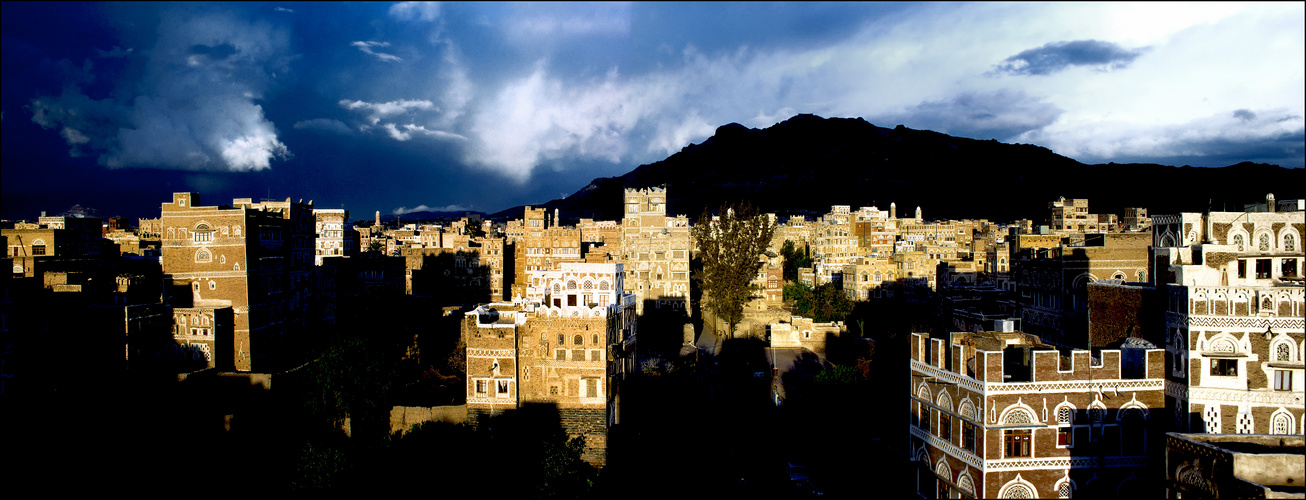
(729, 249)
(375, 247)
(831, 303)
(803, 297)
(794, 259)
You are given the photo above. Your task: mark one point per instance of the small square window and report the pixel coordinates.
(1224, 367)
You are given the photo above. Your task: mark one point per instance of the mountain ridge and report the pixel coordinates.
(807, 163)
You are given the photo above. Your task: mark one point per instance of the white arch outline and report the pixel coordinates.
(1018, 481)
(1018, 405)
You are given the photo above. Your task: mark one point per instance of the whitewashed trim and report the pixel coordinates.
(947, 447)
(475, 352)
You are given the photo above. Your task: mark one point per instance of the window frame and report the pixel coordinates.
(1018, 443)
(1283, 380)
(1224, 367)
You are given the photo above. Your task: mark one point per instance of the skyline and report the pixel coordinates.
(411, 106)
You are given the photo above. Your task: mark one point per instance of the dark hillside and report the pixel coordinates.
(807, 163)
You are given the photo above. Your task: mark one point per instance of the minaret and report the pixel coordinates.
(893, 210)
(378, 218)
(918, 213)
(555, 217)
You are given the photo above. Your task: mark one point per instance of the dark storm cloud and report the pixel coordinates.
(1000, 115)
(193, 107)
(1244, 115)
(1058, 56)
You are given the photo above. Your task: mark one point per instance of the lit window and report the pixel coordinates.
(1224, 367)
(1018, 442)
(1263, 268)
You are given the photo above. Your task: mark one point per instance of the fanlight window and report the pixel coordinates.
(1018, 417)
(1238, 240)
(203, 233)
(1289, 243)
(1264, 242)
(1282, 352)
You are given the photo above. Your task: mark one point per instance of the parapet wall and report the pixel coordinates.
(1046, 365)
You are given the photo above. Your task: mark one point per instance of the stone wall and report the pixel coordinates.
(403, 418)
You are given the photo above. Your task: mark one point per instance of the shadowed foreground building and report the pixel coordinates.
(1234, 466)
(569, 343)
(1002, 415)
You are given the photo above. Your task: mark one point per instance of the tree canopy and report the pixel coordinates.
(730, 250)
(794, 258)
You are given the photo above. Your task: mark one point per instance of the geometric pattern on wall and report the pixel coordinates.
(1244, 425)
(1211, 414)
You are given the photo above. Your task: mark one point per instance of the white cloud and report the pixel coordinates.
(366, 48)
(1221, 139)
(377, 111)
(407, 11)
(194, 106)
(539, 22)
(424, 208)
(537, 118)
(283, 9)
(923, 67)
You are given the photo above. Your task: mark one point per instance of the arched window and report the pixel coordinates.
(561, 339)
(1263, 243)
(571, 285)
(1018, 416)
(578, 340)
(1282, 352)
(1018, 491)
(1238, 241)
(203, 255)
(589, 285)
(1096, 415)
(595, 339)
(603, 285)
(1065, 415)
(1064, 490)
(1281, 423)
(1289, 243)
(203, 233)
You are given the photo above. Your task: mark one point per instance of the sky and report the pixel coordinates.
(397, 107)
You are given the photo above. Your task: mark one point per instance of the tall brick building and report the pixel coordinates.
(1232, 287)
(1001, 415)
(255, 258)
(655, 248)
(569, 343)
